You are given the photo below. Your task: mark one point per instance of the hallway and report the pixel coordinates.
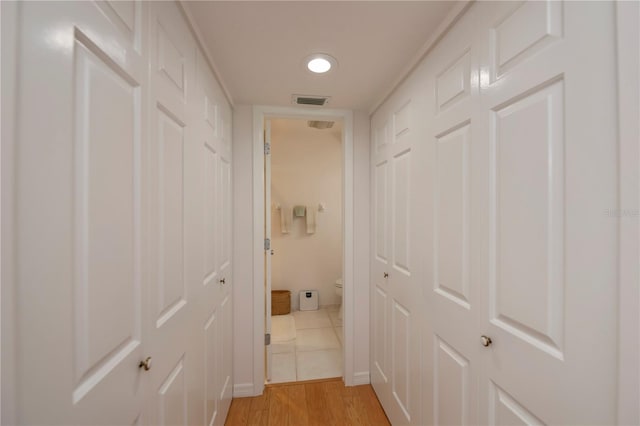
(321, 403)
(485, 206)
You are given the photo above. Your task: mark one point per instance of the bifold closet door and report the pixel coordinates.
(213, 121)
(175, 201)
(515, 165)
(190, 246)
(549, 167)
(123, 243)
(450, 284)
(523, 160)
(396, 311)
(80, 172)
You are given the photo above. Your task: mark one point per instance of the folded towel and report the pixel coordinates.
(311, 220)
(285, 219)
(298, 211)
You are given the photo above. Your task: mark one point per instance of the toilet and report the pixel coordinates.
(339, 293)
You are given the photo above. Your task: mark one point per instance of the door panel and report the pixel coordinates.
(211, 215)
(522, 31)
(173, 203)
(452, 216)
(172, 397)
(452, 385)
(380, 331)
(381, 213)
(550, 290)
(401, 324)
(527, 297)
(504, 410)
(455, 296)
(400, 211)
(170, 282)
(105, 140)
(214, 289)
(78, 241)
(211, 368)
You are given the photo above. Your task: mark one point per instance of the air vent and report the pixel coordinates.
(310, 100)
(320, 124)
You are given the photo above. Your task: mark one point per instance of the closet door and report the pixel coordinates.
(174, 194)
(396, 313)
(548, 105)
(80, 169)
(451, 282)
(214, 290)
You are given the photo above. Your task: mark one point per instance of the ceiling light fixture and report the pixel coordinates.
(320, 63)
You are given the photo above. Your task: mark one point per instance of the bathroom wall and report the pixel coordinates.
(306, 169)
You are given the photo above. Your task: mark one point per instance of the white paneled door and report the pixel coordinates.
(517, 165)
(396, 322)
(548, 105)
(80, 173)
(172, 197)
(123, 246)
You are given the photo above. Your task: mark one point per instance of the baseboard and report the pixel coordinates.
(243, 390)
(361, 378)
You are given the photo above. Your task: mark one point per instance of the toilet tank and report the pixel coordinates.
(309, 300)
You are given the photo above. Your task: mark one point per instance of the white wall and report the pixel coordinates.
(306, 169)
(243, 347)
(361, 229)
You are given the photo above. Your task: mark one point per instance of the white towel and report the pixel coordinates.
(285, 219)
(311, 220)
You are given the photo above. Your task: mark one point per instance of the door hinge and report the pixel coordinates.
(267, 339)
(267, 148)
(267, 244)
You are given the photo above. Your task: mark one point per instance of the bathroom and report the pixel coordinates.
(306, 248)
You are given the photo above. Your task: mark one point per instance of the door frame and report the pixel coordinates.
(628, 210)
(260, 113)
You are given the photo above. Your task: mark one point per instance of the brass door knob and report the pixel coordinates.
(486, 341)
(146, 364)
(386, 275)
(223, 281)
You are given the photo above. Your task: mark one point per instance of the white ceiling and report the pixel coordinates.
(259, 47)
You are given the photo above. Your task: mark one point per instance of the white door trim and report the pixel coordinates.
(259, 114)
(628, 21)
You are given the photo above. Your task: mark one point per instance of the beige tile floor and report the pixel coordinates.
(314, 353)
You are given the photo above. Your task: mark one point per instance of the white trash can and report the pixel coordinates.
(309, 300)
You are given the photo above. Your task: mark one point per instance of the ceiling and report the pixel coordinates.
(259, 47)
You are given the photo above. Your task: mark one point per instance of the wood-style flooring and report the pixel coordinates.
(319, 402)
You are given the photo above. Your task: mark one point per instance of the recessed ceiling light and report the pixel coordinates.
(320, 63)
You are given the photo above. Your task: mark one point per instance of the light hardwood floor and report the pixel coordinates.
(320, 402)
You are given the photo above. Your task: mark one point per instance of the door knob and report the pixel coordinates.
(146, 364)
(223, 281)
(486, 341)
(384, 274)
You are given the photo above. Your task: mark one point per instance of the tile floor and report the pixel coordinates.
(314, 353)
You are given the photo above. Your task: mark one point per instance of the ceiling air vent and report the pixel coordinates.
(320, 124)
(310, 100)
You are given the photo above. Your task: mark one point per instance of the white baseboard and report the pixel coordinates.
(242, 390)
(361, 378)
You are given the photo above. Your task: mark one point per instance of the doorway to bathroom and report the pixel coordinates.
(304, 248)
